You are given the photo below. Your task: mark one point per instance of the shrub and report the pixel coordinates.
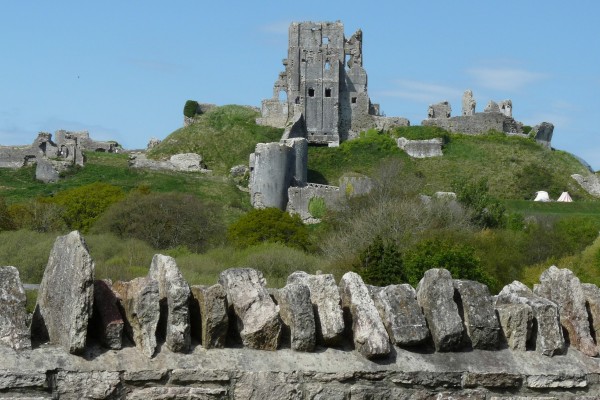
(165, 220)
(316, 207)
(485, 211)
(38, 216)
(459, 259)
(269, 225)
(83, 205)
(190, 108)
(6, 221)
(380, 264)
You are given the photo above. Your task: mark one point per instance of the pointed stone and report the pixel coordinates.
(14, 331)
(66, 294)
(326, 301)
(368, 332)
(479, 315)
(212, 316)
(562, 287)
(549, 339)
(107, 316)
(296, 312)
(401, 314)
(435, 295)
(258, 316)
(174, 294)
(139, 299)
(516, 321)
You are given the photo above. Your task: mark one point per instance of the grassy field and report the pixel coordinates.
(589, 209)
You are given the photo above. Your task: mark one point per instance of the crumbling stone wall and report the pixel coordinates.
(324, 81)
(447, 339)
(421, 148)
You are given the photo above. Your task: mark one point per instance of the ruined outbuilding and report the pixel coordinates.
(322, 93)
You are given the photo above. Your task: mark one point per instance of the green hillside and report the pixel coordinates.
(224, 136)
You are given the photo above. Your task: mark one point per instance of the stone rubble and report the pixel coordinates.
(481, 324)
(214, 319)
(516, 321)
(296, 312)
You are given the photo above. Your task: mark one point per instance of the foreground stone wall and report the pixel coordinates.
(312, 339)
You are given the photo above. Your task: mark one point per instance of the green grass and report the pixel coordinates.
(224, 136)
(589, 209)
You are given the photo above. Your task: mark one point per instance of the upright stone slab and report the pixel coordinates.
(107, 315)
(258, 317)
(468, 104)
(139, 299)
(14, 330)
(402, 317)
(592, 301)
(479, 315)
(66, 294)
(563, 288)
(549, 339)
(368, 332)
(516, 321)
(326, 301)
(214, 319)
(174, 294)
(435, 295)
(296, 311)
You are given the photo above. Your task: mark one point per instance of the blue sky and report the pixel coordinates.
(124, 69)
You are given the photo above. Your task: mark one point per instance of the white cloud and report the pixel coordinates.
(506, 79)
(424, 92)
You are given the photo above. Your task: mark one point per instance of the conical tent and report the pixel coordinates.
(541, 196)
(565, 198)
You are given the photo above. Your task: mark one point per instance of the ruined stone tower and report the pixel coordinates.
(322, 94)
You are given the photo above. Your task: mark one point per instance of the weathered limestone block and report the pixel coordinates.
(562, 287)
(516, 321)
(543, 133)
(421, 148)
(107, 315)
(72, 385)
(435, 295)
(468, 103)
(212, 306)
(66, 294)
(178, 393)
(592, 301)
(439, 110)
(258, 317)
(139, 299)
(492, 106)
(174, 293)
(14, 330)
(369, 334)
(296, 312)
(326, 301)
(549, 339)
(401, 315)
(265, 385)
(479, 315)
(590, 183)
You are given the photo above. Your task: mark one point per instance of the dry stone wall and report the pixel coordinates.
(312, 339)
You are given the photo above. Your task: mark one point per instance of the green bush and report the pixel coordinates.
(165, 220)
(269, 225)
(380, 264)
(316, 207)
(485, 211)
(457, 258)
(6, 220)
(190, 108)
(83, 205)
(39, 216)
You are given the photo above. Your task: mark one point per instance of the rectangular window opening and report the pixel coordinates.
(354, 100)
(311, 92)
(327, 92)
(327, 65)
(325, 40)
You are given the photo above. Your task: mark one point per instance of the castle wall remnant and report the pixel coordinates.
(343, 341)
(496, 116)
(421, 148)
(325, 82)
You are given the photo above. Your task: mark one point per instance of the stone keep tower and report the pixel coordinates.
(322, 94)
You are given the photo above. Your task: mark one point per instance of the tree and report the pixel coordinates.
(165, 220)
(485, 211)
(380, 264)
(269, 225)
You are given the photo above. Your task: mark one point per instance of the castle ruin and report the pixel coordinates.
(322, 93)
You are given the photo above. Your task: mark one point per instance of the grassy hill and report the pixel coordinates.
(224, 136)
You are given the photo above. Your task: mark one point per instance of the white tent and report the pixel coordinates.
(541, 196)
(565, 198)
